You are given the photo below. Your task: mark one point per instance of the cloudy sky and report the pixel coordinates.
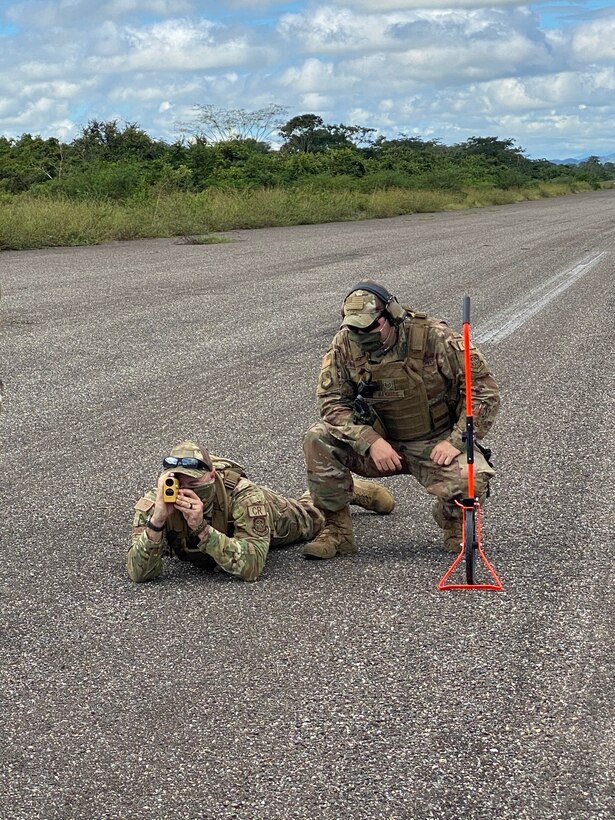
(542, 74)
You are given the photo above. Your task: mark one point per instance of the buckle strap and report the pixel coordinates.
(231, 479)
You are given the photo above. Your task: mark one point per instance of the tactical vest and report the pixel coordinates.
(228, 476)
(402, 402)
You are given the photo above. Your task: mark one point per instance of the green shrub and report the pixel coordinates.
(103, 180)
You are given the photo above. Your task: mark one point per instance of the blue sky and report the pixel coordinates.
(542, 74)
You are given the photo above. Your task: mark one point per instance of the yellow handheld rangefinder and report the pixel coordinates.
(171, 486)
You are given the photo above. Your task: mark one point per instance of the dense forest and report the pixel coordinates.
(238, 149)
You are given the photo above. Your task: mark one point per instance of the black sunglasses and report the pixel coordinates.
(194, 463)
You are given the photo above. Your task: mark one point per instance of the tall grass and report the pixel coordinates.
(37, 223)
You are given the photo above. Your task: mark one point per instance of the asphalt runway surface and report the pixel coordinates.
(349, 688)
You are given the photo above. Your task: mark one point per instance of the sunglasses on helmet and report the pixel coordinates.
(194, 463)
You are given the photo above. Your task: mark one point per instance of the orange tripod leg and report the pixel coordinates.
(471, 547)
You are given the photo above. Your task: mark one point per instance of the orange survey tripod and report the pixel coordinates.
(471, 545)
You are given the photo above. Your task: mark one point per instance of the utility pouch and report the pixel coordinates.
(487, 455)
(486, 451)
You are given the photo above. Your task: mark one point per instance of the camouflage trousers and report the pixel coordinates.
(331, 462)
(293, 520)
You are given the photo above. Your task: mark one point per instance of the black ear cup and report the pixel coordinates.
(395, 310)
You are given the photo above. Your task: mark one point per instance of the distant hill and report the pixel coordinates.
(579, 160)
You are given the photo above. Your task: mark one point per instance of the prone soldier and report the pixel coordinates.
(217, 517)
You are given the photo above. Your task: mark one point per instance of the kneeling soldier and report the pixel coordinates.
(391, 395)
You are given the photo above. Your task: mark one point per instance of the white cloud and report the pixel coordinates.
(66, 13)
(405, 5)
(331, 30)
(595, 41)
(163, 8)
(311, 76)
(251, 4)
(564, 134)
(316, 102)
(437, 46)
(507, 94)
(109, 40)
(442, 69)
(177, 45)
(43, 107)
(604, 78)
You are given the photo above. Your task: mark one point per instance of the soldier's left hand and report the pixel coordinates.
(444, 453)
(190, 506)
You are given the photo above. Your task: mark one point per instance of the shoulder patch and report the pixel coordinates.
(144, 504)
(326, 361)
(256, 510)
(458, 344)
(326, 379)
(260, 525)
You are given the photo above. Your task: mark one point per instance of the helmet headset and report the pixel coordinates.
(395, 312)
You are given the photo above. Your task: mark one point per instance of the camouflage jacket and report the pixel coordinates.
(441, 369)
(256, 518)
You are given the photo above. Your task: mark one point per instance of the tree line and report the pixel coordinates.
(232, 149)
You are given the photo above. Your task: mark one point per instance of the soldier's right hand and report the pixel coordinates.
(385, 458)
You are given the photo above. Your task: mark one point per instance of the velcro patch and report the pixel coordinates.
(326, 379)
(389, 394)
(260, 525)
(257, 510)
(355, 302)
(144, 504)
(460, 345)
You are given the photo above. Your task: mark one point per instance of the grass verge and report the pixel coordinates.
(27, 222)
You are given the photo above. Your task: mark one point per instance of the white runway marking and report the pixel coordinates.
(508, 320)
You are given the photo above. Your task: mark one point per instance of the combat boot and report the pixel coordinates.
(372, 496)
(452, 539)
(335, 538)
(451, 527)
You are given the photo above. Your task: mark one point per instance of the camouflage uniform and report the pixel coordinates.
(417, 400)
(246, 520)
